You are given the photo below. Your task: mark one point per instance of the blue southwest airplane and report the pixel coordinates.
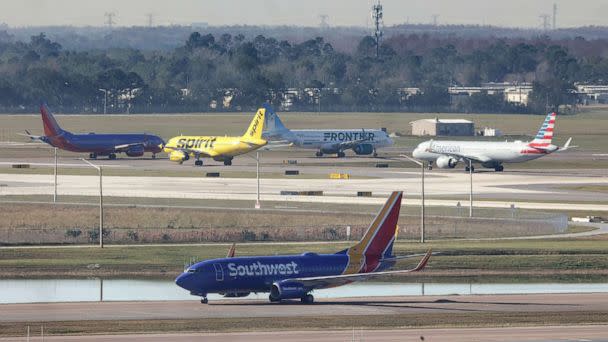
(134, 145)
(295, 276)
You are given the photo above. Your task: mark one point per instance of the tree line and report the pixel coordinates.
(208, 70)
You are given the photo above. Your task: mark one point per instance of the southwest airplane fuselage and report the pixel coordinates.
(239, 276)
(295, 276)
(103, 144)
(133, 144)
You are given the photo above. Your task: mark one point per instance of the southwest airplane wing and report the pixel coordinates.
(337, 280)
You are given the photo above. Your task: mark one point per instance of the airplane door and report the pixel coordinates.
(219, 272)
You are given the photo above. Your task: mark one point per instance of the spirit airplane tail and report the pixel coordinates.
(544, 136)
(254, 132)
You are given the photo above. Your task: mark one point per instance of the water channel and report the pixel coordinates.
(78, 290)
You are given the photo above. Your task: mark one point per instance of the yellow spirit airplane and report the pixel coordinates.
(225, 148)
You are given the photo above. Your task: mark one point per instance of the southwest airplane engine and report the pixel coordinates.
(178, 156)
(445, 162)
(135, 151)
(363, 149)
(287, 290)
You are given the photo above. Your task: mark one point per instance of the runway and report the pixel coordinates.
(87, 311)
(517, 188)
(588, 333)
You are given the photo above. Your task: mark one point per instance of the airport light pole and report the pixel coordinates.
(257, 176)
(105, 99)
(55, 174)
(100, 200)
(470, 188)
(422, 205)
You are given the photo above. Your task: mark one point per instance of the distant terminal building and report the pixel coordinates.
(443, 127)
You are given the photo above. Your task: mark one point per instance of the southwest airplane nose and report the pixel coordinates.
(183, 281)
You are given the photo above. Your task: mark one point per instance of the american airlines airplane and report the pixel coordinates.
(326, 141)
(490, 154)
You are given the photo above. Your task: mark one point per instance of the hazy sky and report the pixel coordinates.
(513, 13)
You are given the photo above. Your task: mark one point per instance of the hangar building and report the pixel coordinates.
(443, 127)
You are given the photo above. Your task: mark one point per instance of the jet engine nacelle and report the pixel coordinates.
(364, 149)
(446, 162)
(135, 151)
(328, 149)
(236, 294)
(287, 290)
(178, 156)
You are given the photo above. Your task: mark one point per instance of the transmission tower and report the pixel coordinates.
(545, 18)
(435, 17)
(324, 24)
(110, 19)
(554, 16)
(377, 18)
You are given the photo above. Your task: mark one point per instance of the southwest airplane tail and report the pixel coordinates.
(51, 127)
(377, 242)
(296, 276)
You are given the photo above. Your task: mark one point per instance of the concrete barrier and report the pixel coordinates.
(301, 193)
(292, 172)
(382, 165)
(364, 194)
(21, 166)
(213, 174)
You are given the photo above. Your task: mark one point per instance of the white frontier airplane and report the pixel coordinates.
(325, 141)
(490, 154)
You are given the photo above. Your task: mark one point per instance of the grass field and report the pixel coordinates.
(587, 128)
(457, 258)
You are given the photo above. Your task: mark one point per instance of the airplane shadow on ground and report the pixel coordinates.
(397, 304)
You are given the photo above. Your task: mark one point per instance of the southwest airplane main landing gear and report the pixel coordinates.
(111, 156)
(499, 168)
(319, 154)
(153, 155)
(228, 162)
(375, 154)
(198, 162)
(204, 300)
(341, 154)
(307, 299)
(472, 169)
(93, 155)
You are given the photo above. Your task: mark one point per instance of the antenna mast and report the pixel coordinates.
(377, 18)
